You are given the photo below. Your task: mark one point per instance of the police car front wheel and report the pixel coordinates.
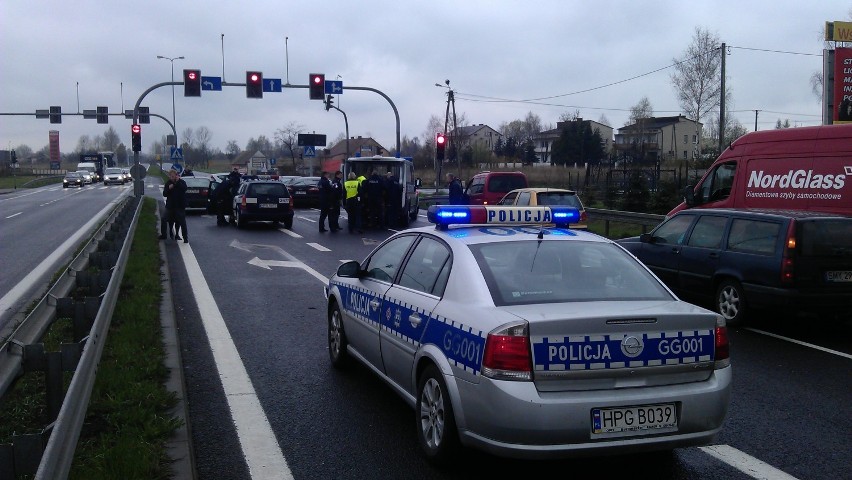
(337, 342)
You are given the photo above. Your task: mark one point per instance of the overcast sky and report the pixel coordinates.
(596, 58)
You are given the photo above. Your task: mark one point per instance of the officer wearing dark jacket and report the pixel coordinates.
(326, 194)
(393, 198)
(337, 197)
(456, 190)
(374, 190)
(222, 199)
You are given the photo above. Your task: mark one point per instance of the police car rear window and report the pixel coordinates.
(530, 272)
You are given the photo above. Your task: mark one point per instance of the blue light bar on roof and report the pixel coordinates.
(444, 215)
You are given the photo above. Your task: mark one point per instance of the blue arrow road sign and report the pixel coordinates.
(334, 87)
(211, 83)
(271, 84)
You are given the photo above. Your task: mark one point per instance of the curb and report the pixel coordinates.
(179, 447)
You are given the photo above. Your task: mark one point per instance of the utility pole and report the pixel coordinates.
(755, 120)
(722, 103)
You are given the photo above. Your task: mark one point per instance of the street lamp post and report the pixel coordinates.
(174, 120)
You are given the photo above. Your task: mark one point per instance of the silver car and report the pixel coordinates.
(530, 341)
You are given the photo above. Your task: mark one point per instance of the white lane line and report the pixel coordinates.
(14, 215)
(290, 232)
(318, 247)
(260, 447)
(805, 344)
(308, 219)
(745, 463)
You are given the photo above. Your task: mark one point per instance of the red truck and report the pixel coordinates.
(805, 168)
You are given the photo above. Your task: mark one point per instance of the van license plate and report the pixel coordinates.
(634, 420)
(268, 205)
(839, 276)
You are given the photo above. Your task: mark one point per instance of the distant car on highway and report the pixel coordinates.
(528, 340)
(73, 179)
(88, 177)
(114, 175)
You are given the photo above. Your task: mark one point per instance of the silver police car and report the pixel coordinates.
(508, 332)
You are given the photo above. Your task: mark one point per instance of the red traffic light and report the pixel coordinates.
(254, 85)
(191, 83)
(136, 128)
(440, 145)
(316, 85)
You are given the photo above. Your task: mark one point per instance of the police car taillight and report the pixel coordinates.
(723, 353)
(507, 354)
(445, 215)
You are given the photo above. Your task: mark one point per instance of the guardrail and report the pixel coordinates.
(49, 454)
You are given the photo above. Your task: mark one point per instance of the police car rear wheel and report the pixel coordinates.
(730, 302)
(337, 339)
(436, 424)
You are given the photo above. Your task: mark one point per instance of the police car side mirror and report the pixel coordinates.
(350, 269)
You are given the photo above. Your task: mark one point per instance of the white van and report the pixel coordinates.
(90, 167)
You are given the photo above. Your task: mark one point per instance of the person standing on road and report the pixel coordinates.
(337, 197)
(222, 201)
(375, 191)
(456, 191)
(175, 192)
(393, 197)
(352, 189)
(325, 199)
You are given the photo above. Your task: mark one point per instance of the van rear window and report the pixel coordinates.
(506, 183)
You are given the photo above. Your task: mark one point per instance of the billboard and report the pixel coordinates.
(842, 86)
(54, 145)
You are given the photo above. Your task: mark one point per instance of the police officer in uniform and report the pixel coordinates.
(352, 191)
(337, 197)
(375, 192)
(325, 199)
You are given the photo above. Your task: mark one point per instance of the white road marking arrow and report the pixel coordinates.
(274, 263)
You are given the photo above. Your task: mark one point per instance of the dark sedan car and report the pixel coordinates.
(197, 191)
(73, 179)
(305, 191)
(262, 200)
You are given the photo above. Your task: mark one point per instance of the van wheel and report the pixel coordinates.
(241, 222)
(288, 223)
(730, 302)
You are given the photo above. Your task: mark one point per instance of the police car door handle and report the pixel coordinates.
(375, 304)
(415, 320)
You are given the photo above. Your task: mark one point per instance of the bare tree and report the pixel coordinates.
(287, 140)
(110, 140)
(604, 121)
(232, 150)
(698, 77)
(188, 137)
(85, 144)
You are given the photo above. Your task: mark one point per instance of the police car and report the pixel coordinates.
(509, 332)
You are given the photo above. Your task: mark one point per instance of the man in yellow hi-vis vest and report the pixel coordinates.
(352, 187)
